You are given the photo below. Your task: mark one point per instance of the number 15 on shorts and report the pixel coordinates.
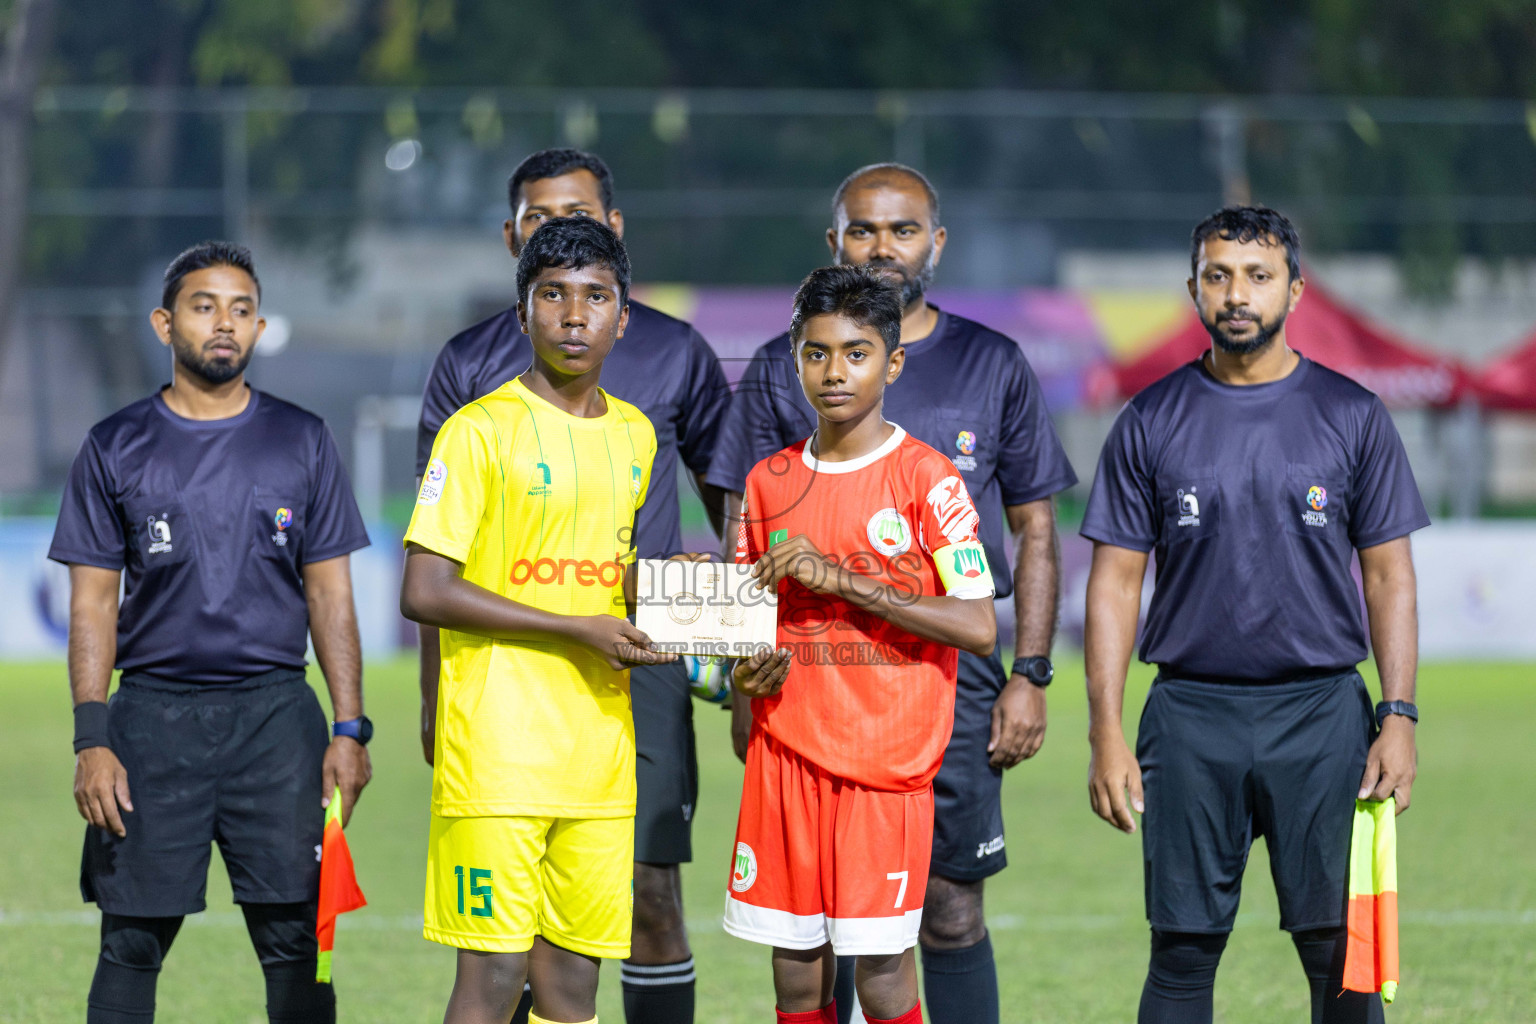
(480, 892)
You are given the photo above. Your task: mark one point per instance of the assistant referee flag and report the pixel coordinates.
(1370, 961)
(338, 885)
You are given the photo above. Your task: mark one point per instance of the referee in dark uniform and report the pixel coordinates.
(1255, 474)
(225, 516)
(666, 369)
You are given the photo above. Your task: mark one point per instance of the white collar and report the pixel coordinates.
(852, 465)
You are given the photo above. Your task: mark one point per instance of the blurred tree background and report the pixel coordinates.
(1429, 49)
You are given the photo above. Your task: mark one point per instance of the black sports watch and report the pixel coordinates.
(1037, 670)
(359, 728)
(1396, 707)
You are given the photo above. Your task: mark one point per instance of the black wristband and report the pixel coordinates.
(91, 725)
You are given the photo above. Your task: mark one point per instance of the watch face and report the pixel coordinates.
(1039, 670)
(365, 730)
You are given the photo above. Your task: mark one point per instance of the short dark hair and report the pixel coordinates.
(551, 163)
(200, 257)
(867, 297)
(572, 243)
(1247, 224)
(891, 170)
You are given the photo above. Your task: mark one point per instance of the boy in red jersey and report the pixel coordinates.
(870, 538)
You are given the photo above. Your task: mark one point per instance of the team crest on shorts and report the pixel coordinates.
(889, 533)
(744, 872)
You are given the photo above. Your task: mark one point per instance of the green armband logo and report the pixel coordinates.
(961, 564)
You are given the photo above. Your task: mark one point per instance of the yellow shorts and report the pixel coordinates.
(495, 883)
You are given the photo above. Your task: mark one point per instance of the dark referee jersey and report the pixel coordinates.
(661, 365)
(211, 521)
(1254, 499)
(966, 390)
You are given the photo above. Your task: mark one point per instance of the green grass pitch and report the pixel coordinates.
(1066, 915)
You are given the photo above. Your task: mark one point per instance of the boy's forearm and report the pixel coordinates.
(454, 603)
(970, 625)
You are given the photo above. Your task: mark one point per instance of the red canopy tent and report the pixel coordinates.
(1509, 382)
(1325, 331)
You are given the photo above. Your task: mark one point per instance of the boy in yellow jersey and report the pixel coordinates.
(518, 551)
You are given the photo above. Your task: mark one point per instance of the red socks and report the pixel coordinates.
(826, 1015)
(912, 1016)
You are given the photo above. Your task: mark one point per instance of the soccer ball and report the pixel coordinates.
(707, 678)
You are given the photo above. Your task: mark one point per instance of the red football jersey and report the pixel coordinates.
(864, 699)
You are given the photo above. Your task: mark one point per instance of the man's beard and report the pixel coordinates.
(915, 281)
(1263, 335)
(214, 370)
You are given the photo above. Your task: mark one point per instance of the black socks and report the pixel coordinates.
(961, 984)
(658, 993)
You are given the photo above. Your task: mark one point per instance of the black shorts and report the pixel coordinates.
(968, 791)
(666, 764)
(1223, 763)
(235, 765)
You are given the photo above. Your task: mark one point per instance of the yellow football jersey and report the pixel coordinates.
(539, 506)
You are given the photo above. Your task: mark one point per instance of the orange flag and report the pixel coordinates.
(1370, 960)
(338, 885)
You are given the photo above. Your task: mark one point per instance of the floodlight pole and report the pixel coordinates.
(237, 170)
(1226, 129)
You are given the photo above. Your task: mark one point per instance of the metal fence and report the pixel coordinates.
(699, 169)
(718, 187)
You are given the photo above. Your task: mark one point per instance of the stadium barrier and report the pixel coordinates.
(1477, 582)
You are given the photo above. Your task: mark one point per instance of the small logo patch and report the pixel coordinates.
(282, 519)
(744, 871)
(889, 533)
(636, 479)
(989, 847)
(1317, 500)
(159, 535)
(540, 487)
(1189, 507)
(968, 562)
(965, 443)
(777, 537)
(432, 483)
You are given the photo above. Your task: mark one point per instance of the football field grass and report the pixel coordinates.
(1066, 916)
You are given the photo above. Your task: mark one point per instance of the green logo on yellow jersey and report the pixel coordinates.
(541, 487)
(636, 479)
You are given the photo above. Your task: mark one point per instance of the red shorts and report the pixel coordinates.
(819, 858)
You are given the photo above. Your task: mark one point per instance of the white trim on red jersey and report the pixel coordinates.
(889, 445)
